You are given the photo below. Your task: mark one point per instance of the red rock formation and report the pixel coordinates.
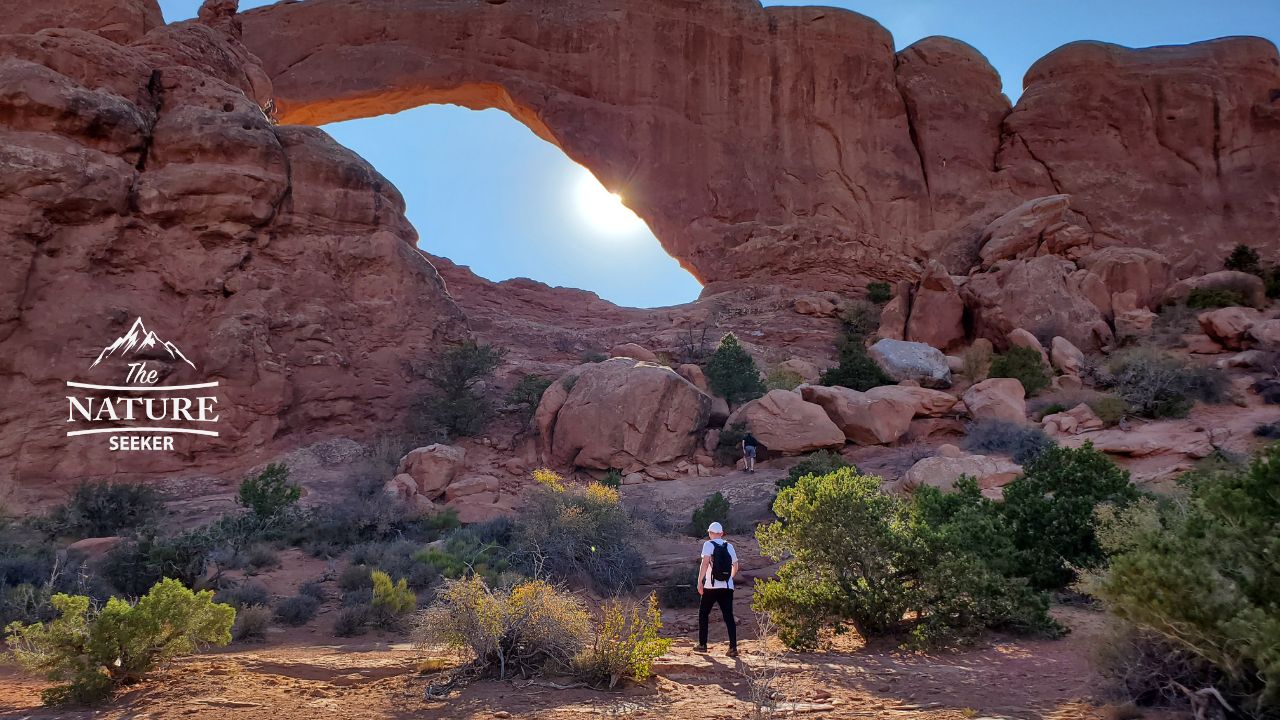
(792, 145)
(145, 181)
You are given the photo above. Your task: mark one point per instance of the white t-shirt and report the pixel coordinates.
(707, 550)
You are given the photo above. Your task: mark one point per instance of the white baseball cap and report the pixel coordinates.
(715, 527)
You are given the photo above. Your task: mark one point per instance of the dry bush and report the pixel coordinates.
(507, 630)
(977, 362)
(763, 670)
(251, 623)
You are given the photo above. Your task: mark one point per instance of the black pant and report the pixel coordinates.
(724, 598)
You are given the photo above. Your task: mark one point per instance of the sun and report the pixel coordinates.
(602, 210)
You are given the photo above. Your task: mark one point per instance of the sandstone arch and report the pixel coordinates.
(793, 144)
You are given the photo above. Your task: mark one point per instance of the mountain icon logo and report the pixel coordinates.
(139, 339)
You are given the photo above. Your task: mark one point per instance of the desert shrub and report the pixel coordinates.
(860, 319)
(315, 589)
(251, 623)
(579, 535)
(780, 378)
(548, 478)
(879, 292)
(857, 557)
(527, 393)
(821, 462)
(976, 362)
(855, 369)
(1270, 431)
(1268, 390)
(457, 405)
(679, 589)
(400, 558)
(354, 577)
(269, 493)
(714, 509)
(261, 556)
(297, 610)
(1156, 385)
(732, 373)
(1200, 573)
(1243, 259)
(393, 597)
(612, 479)
(1051, 409)
(105, 508)
(1214, 297)
(1024, 365)
(507, 630)
(1172, 322)
(1020, 441)
(351, 621)
(1108, 408)
(135, 565)
(625, 643)
(1050, 510)
(358, 596)
(365, 513)
(728, 448)
(1147, 668)
(469, 550)
(243, 595)
(91, 652)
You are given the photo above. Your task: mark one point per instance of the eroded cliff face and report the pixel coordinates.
(793, 145)
(141, 179)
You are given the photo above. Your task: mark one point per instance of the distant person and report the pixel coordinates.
(715, 585)
(749, 444)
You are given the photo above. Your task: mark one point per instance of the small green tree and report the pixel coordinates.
(1201, 573)
(822, 462)
(458, 407)
(93, 652)
(855, 556)
(714, 509)
(528, 393)
(732, 372)
(856, 370)
(1050, 510)
(1244, 259)
(269, 493)
(1023, 364)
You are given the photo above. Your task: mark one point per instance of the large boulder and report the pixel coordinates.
(1046, 295)
(1020, 232)
(944, 469)
(864, 418)
(997, 399)
(937, 311)
(633, 351)
(893, 316)
(1229, 326)
(621, 414)
(1066, 358)
(1250, 287)
(1078, 419)
(1130, 269)
(1024, 339)
(925, 402)
(902, 360)
(783, 422)
(432, 468)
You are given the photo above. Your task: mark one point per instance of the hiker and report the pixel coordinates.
(715, 585)
(749, 444)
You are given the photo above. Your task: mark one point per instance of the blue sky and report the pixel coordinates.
(484, 191)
